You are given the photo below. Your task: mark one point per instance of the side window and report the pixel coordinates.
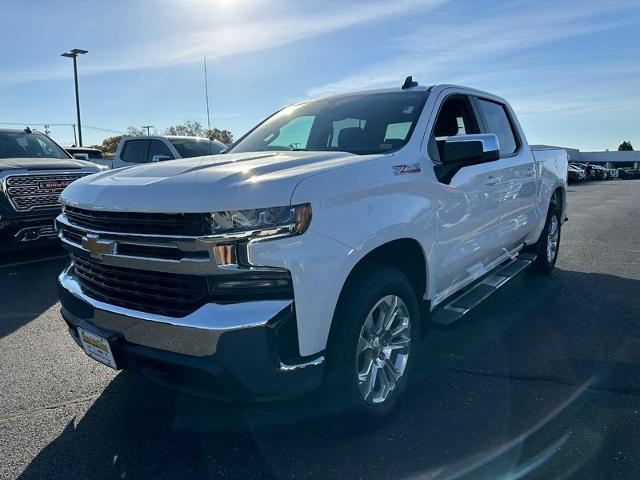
(497, 122)
(294, 134)
(46, 149)
(456, 117)
(134, 151)
(158, 148)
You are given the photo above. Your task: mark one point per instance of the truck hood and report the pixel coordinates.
(203, 184)
(43, 164)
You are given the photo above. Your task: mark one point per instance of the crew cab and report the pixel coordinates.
(148, 149)
(33, 172)
(311, 255)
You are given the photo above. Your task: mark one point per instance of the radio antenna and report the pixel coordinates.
(206, 93)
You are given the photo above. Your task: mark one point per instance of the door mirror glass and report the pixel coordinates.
(81, 156)
(160, 158)
(471, 149)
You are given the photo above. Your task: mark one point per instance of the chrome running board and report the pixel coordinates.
(463, 302)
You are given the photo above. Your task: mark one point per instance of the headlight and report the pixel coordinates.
(262, 222)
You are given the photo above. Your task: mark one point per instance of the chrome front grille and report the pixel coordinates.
(26, 192)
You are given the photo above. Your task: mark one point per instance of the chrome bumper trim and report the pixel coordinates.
(41, 232)
(213, 263)
(298, 366)
(196, 334)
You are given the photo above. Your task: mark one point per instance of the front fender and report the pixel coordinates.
(348, 222)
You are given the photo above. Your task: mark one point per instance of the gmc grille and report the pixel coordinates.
(37, 191)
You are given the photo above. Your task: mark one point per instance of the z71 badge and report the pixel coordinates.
(409, 168)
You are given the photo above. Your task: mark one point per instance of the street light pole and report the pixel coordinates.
(74, 54)
(148, 127)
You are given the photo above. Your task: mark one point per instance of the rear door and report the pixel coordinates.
(517, 172)
(469, 208)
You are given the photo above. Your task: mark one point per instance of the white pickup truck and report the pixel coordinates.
(313, 252)
(150, 149)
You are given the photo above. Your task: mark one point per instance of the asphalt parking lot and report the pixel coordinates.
(542, 381)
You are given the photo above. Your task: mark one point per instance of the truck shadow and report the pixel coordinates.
(27, 290)
(494, 394)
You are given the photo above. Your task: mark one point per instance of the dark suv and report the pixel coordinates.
(33, 171)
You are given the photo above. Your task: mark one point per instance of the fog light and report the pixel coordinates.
(251, 286)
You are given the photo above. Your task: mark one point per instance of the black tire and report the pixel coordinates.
(364, 291)
(543, 263)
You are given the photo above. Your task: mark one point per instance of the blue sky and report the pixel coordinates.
(571, 69)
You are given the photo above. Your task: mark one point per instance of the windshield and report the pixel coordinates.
(29, 145)
(196, 147)
(360, 124)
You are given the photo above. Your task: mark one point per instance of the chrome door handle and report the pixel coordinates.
(491, 180)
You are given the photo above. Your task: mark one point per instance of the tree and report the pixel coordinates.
(224, 136)
(134, 132)
(625, 146)
(193, 128)
(110, 144)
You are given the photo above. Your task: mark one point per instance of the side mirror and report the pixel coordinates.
(81, 156)
(160, 158)
(471, 149)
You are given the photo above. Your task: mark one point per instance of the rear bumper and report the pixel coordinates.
(229, 352)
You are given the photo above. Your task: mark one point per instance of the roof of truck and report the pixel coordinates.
(16, 130)
(399, 89)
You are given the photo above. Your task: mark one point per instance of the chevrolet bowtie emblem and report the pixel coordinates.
(97, 247)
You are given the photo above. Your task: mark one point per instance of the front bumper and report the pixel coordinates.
(28, 231)
(229, 352)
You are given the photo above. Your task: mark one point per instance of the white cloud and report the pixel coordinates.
(219, 31)
(440, 52)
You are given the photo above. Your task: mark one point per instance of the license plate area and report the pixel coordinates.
(97, 347)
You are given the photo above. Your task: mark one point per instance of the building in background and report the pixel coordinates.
(608, 159)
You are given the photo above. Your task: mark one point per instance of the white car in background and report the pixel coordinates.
(148, 149)
(576, 173)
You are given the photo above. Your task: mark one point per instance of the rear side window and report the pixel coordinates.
(134, 151)
(497, 122)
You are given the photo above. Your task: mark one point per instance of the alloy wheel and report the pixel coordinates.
(383, 349)
(552, 239)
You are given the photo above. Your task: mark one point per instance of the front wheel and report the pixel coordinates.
(548, 245)
(370, 350)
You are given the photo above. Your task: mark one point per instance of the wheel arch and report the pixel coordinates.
(558, 201)
(405, 254)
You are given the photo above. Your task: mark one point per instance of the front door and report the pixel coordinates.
(468, 220)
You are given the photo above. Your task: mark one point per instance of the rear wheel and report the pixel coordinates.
(548, 245)
(370, 351)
